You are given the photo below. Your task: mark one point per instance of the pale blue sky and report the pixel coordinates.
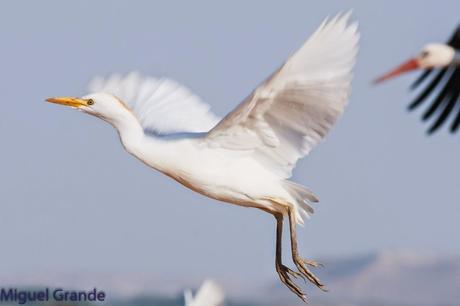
(72, 199)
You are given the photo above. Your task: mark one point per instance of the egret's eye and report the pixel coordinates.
(90, 102)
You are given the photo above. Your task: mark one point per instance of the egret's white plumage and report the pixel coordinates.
(247, 157)
(161, 105)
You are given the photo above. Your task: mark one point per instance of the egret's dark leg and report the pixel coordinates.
(284, 272)
(302, 264)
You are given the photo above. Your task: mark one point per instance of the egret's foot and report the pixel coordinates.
(312, 263)
(285, 276)
(292, 272)
(302, 266)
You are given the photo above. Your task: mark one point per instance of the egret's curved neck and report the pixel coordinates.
(128, 127)
(147, 149)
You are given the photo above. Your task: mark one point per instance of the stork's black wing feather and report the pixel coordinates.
(421, 78)
(454, 41)
(445, 101)
(428, 89)
(447, 82)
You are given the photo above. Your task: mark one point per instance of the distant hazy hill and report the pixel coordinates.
(388, 278)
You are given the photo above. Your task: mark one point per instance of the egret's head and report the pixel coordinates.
(431, 56)
(102, 105)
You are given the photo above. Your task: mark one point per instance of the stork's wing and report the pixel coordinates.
(287, 115)
(161, 105)
(447, 102)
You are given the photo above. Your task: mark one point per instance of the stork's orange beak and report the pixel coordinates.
(409, 65)
(69, 101)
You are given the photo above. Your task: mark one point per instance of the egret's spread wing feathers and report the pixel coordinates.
(447, 83)
(161, 105)
(288, 114)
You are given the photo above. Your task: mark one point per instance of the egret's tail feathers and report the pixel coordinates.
(303, 197)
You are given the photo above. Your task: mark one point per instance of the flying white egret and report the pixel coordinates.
(445, 58)
(209, 294)
(247, 157)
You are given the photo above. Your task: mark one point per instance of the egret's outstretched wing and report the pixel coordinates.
(210, 294)
(447, 101)
(287, 115)
(161, 105)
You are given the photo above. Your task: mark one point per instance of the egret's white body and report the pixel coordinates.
(230, 176)
(247, 157)
(236, 178)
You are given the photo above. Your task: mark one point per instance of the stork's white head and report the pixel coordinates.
(431, 56)
(102, 105)
(435, 56)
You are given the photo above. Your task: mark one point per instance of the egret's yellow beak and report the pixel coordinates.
(69, 101)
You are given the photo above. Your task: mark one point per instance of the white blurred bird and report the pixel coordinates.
(247, 157)
(210, 294)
